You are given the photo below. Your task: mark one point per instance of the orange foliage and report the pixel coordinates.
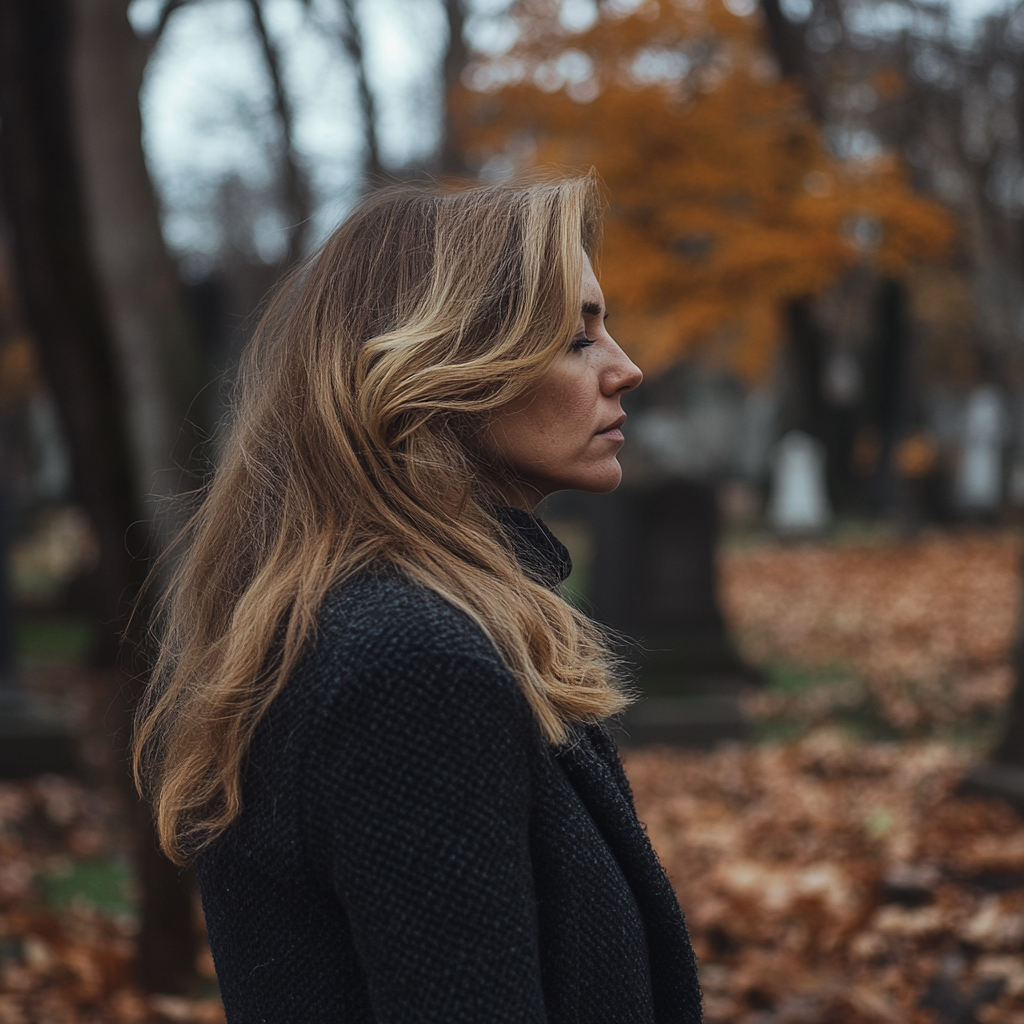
(725, 203)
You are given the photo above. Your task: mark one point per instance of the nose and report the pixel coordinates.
(620, 374)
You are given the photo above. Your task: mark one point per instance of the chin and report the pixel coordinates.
(602, 480)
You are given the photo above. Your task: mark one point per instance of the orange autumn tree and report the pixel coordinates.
(726, 205)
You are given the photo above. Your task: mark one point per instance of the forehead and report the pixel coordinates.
(590, 290)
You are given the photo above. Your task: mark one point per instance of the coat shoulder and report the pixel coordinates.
(379, 616)
(388, 648)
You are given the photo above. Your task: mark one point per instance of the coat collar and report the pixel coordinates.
(543, 557)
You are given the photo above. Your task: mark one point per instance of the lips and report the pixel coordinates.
(612, 431)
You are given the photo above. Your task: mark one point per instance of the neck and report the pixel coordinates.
(519, 494)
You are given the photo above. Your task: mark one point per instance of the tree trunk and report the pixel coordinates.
(155, 347)
(807, 344)
(59, 296)
(62, 305)
(812, 412)
(161, 372)
(455, 57)
(786, 40)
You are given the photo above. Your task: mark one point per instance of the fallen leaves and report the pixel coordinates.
(826, 879)
(837, 880)
(924, 627)
(832, 880)
(72, 963)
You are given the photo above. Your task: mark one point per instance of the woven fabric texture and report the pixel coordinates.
(411, 850)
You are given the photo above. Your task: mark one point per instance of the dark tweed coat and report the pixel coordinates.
(411, 851)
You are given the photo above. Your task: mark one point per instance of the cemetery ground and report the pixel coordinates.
(830, 871)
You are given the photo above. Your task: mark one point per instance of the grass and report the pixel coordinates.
(843, 530)
(53, 640)
(793, 678)
(105, 885)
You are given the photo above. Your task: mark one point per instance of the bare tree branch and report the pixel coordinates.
(352, 39)
(295, 186)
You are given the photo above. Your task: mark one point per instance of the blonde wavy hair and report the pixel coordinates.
(354, 441)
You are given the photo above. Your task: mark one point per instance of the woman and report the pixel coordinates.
(374, 723)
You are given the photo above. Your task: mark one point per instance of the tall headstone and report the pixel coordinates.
(979, 478)
(799, 504)
(653, 580)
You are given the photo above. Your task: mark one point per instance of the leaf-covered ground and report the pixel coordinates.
(67, 930)
(830, 877)
(838, 878)
(913, 636)
(67, 901)
(829, 881)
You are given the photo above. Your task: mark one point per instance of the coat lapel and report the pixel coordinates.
(595, 772)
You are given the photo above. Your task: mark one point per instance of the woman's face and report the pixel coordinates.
(564, 435)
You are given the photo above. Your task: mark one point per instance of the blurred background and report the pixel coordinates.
(815, 250)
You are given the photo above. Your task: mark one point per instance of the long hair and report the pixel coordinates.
(354, 441)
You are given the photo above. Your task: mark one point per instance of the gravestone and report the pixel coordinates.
(799, 505)
(979, 473)
(653, 581)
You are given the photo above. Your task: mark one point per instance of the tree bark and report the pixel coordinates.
(455, 57)
(62, 305)
(154, 347)
(59, 295)
(786, 40)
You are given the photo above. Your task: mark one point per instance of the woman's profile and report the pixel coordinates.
(374, 724)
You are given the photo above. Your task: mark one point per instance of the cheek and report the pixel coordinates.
(564, 402)
(568, 436)
(554, 423)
